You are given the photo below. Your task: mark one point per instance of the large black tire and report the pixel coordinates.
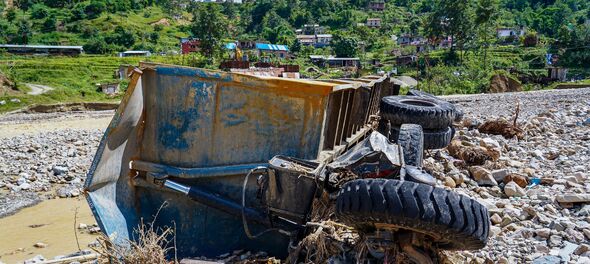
(411, 140)
(454, 221)
(430, 113)
(458, 111)
(433, 139)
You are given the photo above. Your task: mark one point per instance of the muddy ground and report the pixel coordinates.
(46, 156)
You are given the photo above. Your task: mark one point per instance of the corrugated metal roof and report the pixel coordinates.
(273, 47)
(230, 46)
(136, 52)
(40, 46)
(342, 59)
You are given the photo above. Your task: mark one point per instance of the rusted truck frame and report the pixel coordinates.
(182, 130)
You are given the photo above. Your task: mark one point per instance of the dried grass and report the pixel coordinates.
(472, 155)
(503, 127)
(327, 238)
(151, 247)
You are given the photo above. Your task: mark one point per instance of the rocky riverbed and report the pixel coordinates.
(535, 185)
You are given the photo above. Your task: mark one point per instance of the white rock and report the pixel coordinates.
(567, 250)
(543, 232)
(513, 190)
(573, 198)
(25, 186)
(499, 175)
(482, 176)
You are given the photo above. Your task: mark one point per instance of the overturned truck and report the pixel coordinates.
(233, 161)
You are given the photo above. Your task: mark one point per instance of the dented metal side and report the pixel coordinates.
(206, 129)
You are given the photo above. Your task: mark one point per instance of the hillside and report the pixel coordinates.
(105, 27)
(114, 25)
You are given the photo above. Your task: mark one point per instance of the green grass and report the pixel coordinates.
(74, 78)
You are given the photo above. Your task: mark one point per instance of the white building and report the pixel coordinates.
(507, 32)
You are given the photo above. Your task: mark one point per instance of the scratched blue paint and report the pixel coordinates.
(233, 120)
(192, 72)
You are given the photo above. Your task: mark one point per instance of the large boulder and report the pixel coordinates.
(501, 83)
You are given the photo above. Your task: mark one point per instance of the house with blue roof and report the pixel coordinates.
(280, 51)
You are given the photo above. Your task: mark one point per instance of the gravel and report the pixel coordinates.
(535, 189)
(45, 165)
(539, 210)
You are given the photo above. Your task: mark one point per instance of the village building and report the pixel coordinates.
(306, 40)
(135, 53)
(318, 41)
(408, 39)
(189, 45)
(42, 49)
(374, 22)
(280, 51)
(110, 89)
(318, 60)
(246, 44)
(557, 73)
(310, 29)
(343, 62)
(377, 6)
(405, 60)
(510, 32)
(323, 40)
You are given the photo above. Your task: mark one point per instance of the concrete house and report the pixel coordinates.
(323, 40)
(509, 32)
(311, 29)
(318, 41)
(306, 40)
(374, 22)
(343, 62)
(407, 39)
(135, 53)
(377, 6)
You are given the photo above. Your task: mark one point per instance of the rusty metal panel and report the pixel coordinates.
(194, 118)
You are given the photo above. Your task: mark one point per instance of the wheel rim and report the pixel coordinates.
(418, 102)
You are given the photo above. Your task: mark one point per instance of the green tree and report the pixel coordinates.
(39, 11)
(121, 37)
(486, 14)
(344, 46)
(209, 31)
(49, 25)
(94, 9)
(24, 32)
(10, 14)
(451, 18)
(277, 30)
(229, 10)
(96, 46)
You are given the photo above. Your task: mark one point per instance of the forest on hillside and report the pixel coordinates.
(114, 25)
(560, 27)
